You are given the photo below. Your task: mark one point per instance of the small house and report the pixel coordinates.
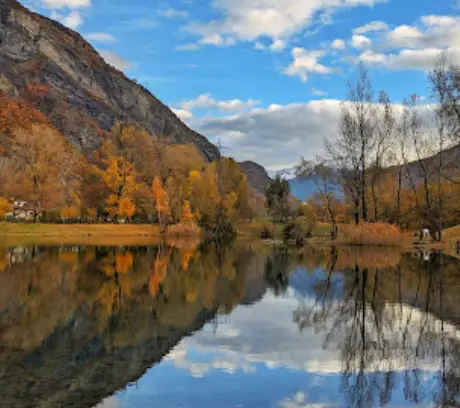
(22, 211)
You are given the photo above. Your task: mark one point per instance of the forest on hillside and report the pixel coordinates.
(132, 177)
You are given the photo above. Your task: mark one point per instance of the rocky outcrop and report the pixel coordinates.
(56, 70)
(257, 176)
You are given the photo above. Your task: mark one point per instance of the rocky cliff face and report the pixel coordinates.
(61, 74)
(257, 176)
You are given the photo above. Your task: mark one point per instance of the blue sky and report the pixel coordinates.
(265, 76)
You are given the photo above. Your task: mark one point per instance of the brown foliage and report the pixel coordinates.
(373, 234)
(185, 228)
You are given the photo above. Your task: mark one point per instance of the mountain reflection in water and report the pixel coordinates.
(178, 325)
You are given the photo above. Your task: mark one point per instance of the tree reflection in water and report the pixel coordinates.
(79, 323)
(396, 315)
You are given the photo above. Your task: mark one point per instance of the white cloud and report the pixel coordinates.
(338, 44)
(373, 26)
(278, 45)
(413, 47)
(72, 20)
(101, 37)
(306, 62)
(360, 41)
(433, 31)
(116, 60)
(183, 114)
(58, 4)
(404, 36)
(262, 327)
(300, 401)
(408, 59)
(205, 101)
(434, 20)
(276, 136)
(318, 92)
(173, 13)
(250, 20)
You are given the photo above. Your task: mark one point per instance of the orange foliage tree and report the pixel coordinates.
(187, 212)
(47, 169)
(160, 199)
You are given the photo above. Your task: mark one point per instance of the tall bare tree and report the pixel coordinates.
(384, 128)
(351, 150)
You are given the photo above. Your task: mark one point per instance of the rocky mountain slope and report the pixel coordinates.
(57, 71)
(257, 176)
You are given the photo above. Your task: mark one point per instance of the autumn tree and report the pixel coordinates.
(47, 169)
(5, 207)
(160, 199)
(120, 178)
(203, 194)
(145, 152)
(187, 214)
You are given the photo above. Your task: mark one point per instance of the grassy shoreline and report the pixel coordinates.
(78, 230)
(125, 234)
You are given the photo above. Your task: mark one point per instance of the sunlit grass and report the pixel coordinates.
(49, 230)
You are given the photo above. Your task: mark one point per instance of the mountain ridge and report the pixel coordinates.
(55, 69)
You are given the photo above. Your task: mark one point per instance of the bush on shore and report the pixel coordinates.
(297, 230)
(373, 234)
(267, 230)
(184, 228)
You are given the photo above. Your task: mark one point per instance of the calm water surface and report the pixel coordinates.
(178, 325)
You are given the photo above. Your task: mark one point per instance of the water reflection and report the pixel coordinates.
(179, 325)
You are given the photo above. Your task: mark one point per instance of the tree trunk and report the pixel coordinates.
(356, 214)
(398, 198)
(374, 200)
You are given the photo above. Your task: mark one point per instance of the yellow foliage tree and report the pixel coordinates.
(69, 212)
(160, 199)
(120, 178)
(126, 208)
(5, 207)
(187, 213)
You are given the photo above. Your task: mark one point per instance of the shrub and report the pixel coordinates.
(297, 230)
(184, 228)
(267, 230)
(376, 234)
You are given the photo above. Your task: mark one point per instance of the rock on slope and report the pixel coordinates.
(61, 74)
(257, 176)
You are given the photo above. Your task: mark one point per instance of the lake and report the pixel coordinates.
(247, 325)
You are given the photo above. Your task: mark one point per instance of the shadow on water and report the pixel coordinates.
(78, 323)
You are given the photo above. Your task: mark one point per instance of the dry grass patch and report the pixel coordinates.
(77, 230)
(372, 234)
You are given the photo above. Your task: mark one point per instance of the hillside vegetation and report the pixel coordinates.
(133, 176)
